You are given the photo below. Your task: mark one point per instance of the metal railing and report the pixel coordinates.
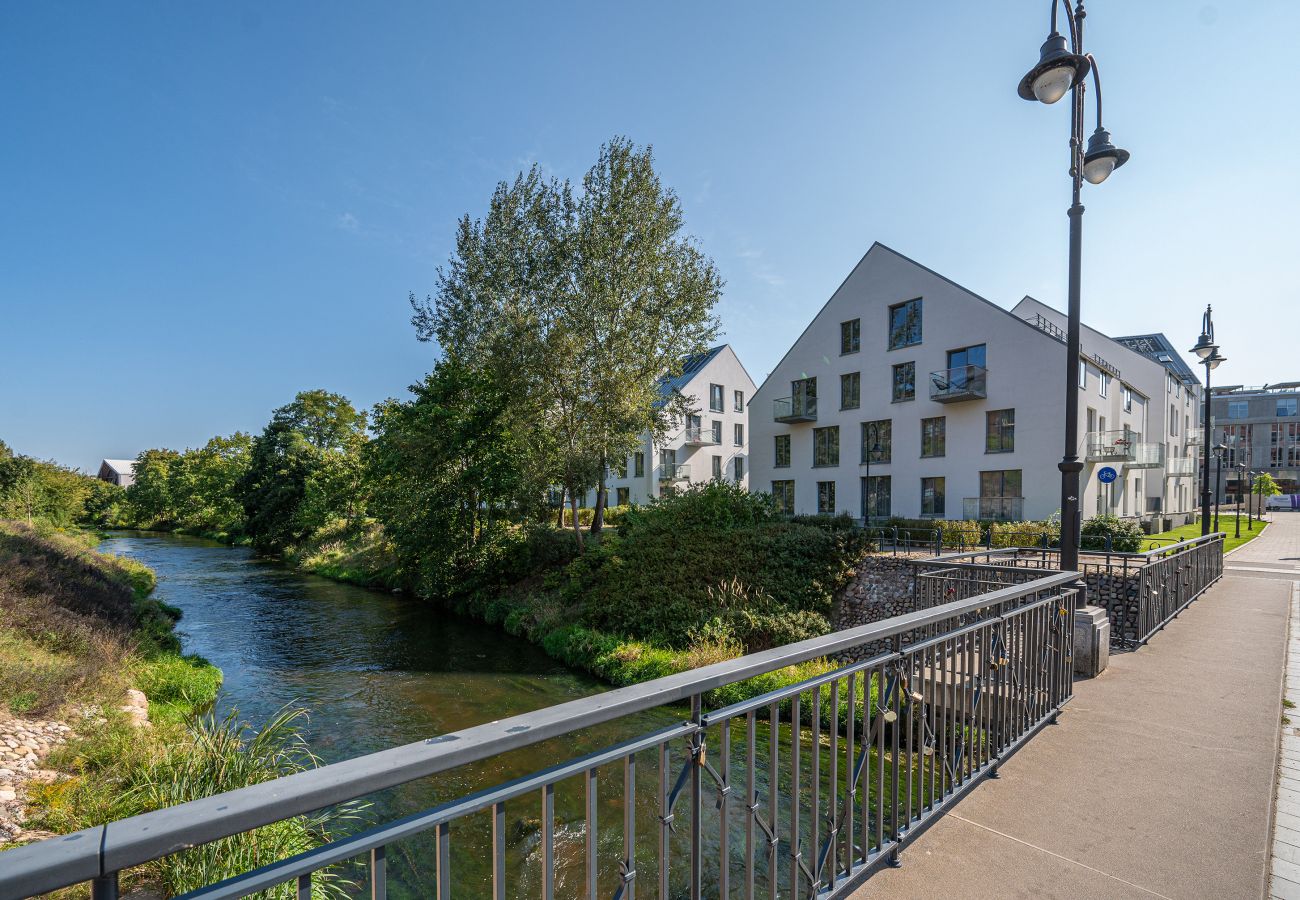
(1178, 466)
(1000, 509)
(675, 472)
(805, 790)
(1114, 446)
(702, 435)
(794, 409)
(961, 383)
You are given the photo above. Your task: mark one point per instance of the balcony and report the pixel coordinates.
(1147, 456)
(961, 383)
(794, 409)
(997, 509)
(1111, 446)
(701, 437)
(1178, 466)
(675, 472)
(1195, 438)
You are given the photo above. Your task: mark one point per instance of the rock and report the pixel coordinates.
(7, 794)
(137, 698)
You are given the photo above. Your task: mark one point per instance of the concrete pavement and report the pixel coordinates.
(1157, 781)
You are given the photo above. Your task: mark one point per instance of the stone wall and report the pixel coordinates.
(881, 589)
(1120, 596)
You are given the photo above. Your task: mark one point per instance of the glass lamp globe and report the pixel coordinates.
(1095, 171)
(1053, 84)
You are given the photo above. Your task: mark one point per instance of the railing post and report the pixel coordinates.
(697, 818)
(938, 542)
(104, 887)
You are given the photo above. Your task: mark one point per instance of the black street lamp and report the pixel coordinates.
(1241, 477)
(1219, 451)
(1064, 68)
(1208, 352)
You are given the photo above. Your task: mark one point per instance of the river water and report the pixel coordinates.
(377, 671)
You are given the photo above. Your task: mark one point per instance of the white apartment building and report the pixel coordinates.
(961, 400)
(711, 444)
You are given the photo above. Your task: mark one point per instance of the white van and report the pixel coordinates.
(1283, 501)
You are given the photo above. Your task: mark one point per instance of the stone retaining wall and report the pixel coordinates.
(881, 590)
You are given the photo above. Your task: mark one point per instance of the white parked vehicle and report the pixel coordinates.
(1283, 501)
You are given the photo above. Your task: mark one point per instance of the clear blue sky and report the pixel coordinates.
(208, 207)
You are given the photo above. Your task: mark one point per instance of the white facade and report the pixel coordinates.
(978, 435)
(118, 471)
(713, 443)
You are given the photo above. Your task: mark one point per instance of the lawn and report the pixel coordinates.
(1227, 524)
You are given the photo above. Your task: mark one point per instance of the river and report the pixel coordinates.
(376, 671)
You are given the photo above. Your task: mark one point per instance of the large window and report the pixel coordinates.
(967, 356)
(739, 402)
(1238, 409)
(876, 502)
(739, 466)
(850, 336)
(783, 494)
(715, 398)
(717, 468)
(904, 382)
(717, 431)
(1105, 384)
(905, 324)
(638, 464)
(738, 434)
(624, 496)
(1286, 445)
(804, 395)
(851, 390)
(782, 458)
(1000, 430)
(1286, 406)
(826, 498)
(879, 433)
(1126, 394)
(932, 497)
(826, 446)
(1004, 483)
(933, 439)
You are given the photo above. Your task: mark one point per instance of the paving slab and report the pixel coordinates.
(1157, 780)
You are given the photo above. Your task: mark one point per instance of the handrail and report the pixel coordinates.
(70, 859)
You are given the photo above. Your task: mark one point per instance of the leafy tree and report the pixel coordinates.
(150, 496)
(1264, 486)
(281, 490)
(575, 307)
(205, 494)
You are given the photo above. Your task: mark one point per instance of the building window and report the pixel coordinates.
(876, 502)
(715, 398)
(1286, 406)
(738, 435)
(850, 336)
(1127, 396)
(1004, 483)
(783, 496)
(905, 324)
(717, 468)
(638, 464)
(1083, 375)
(739, 465)
(1105, 383)
(623, 495)
(782, 458)
(1173, 419)
(803, 396)
(667, 463)
(1000, 430)
(739, 402)
(826, 446)
(851, 390)
(932, 436)
(620, 467)
(966, 356)
(826, 498)
(1238, 409)
(878, 433)
(932, 497)
(904, 382)
(717, 431)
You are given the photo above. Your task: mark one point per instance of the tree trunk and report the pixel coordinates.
(559, 519)
(577, 529)
(602, 496)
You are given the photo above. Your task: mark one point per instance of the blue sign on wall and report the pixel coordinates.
(1106, 474)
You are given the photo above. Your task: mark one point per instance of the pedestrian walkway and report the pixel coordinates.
(1157, 781)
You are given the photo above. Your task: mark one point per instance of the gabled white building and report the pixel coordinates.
(711, 444)
(118, 471)
(963, 399)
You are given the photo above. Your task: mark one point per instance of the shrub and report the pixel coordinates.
(716, 505)
(1125, 536)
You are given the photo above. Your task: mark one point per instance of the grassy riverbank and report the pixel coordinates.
(78, 630)
(1227, 524)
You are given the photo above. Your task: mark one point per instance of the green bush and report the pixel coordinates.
(1125, 535)
(178, 687)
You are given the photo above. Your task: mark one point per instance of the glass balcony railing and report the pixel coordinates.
(794, 409)
(675, 472)
(702, 435)
(961, 383)
(1147, 456)
(1178, 466)
(998, 509)
(1111, 446)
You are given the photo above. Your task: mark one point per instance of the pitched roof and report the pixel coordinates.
(120, 466)
(1157, 347)
(691, 367)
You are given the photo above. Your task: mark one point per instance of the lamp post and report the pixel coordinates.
(1219, 451)
(1063, 68)
(1241, 476)
(1208, 352)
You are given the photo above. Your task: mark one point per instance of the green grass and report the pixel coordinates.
(1227, 524)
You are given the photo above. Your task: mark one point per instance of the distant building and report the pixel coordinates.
(963, 400)
(118, 471)
(1260, 426)
(712, 444)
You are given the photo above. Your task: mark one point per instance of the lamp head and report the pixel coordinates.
(1212, 361)
(1102, 157)
(1057, 71)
